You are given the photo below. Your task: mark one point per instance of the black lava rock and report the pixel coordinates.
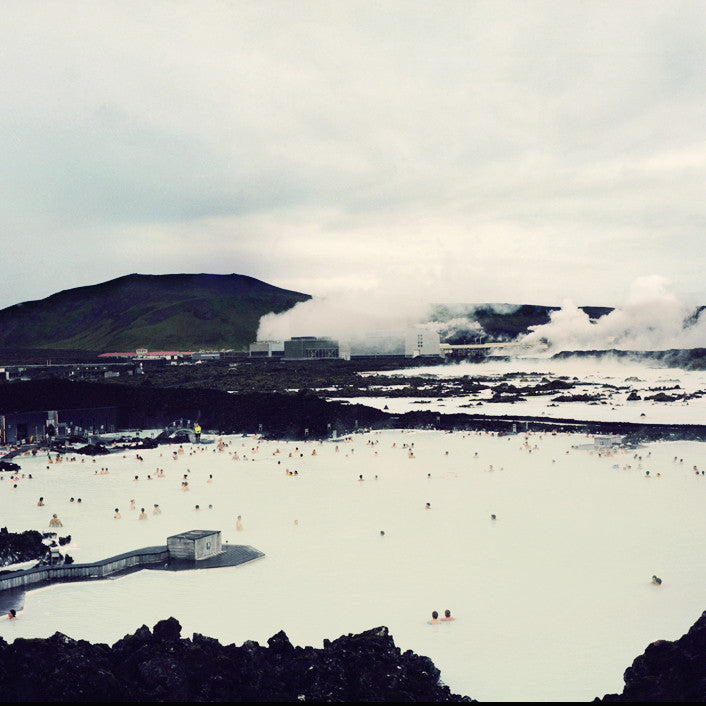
(669, 671)
(162, 666)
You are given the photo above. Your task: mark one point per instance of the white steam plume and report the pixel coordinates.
(352, 317)
(373, 320)
(652, 318)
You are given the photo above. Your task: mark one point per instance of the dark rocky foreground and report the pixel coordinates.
(669, 671)
(303, 415)
(159, 665)
(18, 547)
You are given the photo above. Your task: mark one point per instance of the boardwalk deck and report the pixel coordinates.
(14, 585)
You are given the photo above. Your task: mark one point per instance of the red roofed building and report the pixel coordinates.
(144, 354)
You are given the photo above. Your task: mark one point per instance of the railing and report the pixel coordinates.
(81, 572)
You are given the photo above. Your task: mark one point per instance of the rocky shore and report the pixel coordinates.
(160, 665)
(668, 671)
(18, 547)
(296, 416)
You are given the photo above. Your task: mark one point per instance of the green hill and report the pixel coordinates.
(181, 311)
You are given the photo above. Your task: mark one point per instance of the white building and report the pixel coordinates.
(267, 349)
(422, 341)
(607, 441)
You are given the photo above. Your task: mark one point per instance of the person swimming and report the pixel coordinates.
(142, 515)
(12, 614)
(447, 616)
(434, 618)
(117, 514)
(656, 580)
(55, 521)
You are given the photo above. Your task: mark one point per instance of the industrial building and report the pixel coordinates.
(310, 348)
(267, 349)
(422, 341)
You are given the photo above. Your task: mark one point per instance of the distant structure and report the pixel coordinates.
(72, 371)
(483, 350)
(143, 354)
(205, 356)
(607, 441)
(310, 348)
(422, 341)
(267, 349)
(38, 425)
(376, 344)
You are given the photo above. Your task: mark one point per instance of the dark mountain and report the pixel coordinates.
(181, 311)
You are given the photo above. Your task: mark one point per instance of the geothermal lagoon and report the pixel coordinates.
(552, 599)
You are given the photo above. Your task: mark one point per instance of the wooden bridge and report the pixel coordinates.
(14, 584)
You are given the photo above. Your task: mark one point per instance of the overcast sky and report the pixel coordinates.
(475, 151)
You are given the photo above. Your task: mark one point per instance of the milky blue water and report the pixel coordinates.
(552, 600)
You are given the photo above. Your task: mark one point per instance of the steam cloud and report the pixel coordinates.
(374, 322)
(352, 318)
(652, 318)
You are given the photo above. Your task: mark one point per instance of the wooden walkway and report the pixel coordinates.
(14, 585)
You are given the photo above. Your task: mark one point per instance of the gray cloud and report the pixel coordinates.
(486, 151)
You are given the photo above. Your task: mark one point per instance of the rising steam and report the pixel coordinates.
(375, 323)
(352, 318)
(652, 318)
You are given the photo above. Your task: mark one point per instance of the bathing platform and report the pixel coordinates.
(14, 584)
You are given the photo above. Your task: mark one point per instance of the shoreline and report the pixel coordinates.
(505, 425)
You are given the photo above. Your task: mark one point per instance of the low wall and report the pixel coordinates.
(82, 572)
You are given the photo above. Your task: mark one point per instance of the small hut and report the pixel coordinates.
(194, 544)
(607, 440)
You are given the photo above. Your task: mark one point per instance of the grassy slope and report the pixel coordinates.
(155, 311)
